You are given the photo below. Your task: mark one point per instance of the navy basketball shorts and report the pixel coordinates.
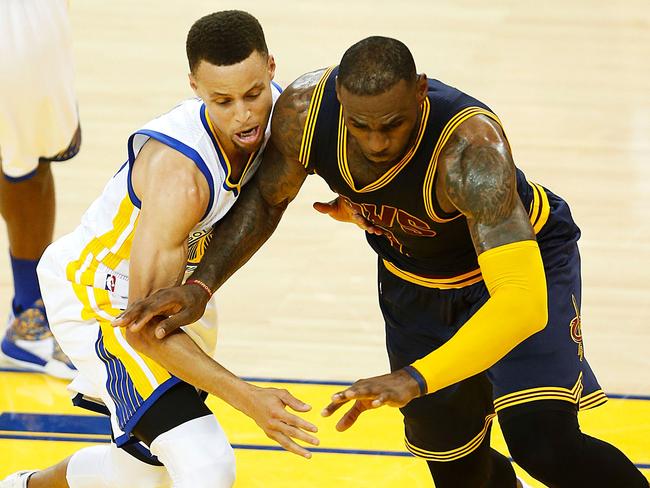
(550, 365)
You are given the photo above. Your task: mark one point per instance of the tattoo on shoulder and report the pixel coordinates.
(480, 180)
(482, 183)
(290, 114)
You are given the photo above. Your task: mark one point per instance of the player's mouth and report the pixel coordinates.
(379, 158)
(248, 136)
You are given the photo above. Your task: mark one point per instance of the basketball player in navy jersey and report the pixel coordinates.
(479, 272)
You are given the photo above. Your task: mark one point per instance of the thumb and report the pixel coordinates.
(324, 208)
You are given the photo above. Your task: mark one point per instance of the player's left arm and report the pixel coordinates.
(174, 196)
(478, 177)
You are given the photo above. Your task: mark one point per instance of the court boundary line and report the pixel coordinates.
(291, 381)
(249, 447)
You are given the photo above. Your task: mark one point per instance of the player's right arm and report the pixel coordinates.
(174, 196)
(247, 225)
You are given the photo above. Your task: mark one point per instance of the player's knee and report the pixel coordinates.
(214, 473)
(545, 448)
(470, 471)
(197, 454)
(207, 469)
(456, 475)
(106, 466)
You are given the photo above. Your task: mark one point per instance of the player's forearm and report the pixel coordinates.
(183, 358)
(517, 308)
(152, 269)
(238, 236)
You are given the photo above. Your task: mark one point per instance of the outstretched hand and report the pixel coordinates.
(178, 305)
(267, 408)
(395, 389)
(342, 210)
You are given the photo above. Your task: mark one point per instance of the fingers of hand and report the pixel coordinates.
(294, 420)
(288, 444)
(351, 416)
(293, 402)
(338, 400)
(380, 400)
(293, 432)
(184, 317)
(128, 316)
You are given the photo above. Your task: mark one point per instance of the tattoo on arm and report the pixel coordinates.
(263, 200)
(480, 180)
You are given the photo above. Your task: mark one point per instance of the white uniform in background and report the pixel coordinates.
(38, 107)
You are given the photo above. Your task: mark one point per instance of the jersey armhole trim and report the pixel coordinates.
(312, 116)
(181, 148)
(428, 187)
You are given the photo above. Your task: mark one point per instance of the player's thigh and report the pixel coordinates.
(551, 365)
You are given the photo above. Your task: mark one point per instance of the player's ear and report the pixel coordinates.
(421, 87)
(271, 66)
(193, 85)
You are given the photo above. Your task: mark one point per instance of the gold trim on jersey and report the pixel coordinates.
(227, 182)
(428, 189)
(593, 400)
(342, 153)
(312, 117)
(459, 281)
(145, 373)
(539, 209)
(543, 393)
(111, 248)
(452, 455)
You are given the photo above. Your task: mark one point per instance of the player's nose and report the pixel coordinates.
(242, 112)
(378, 142)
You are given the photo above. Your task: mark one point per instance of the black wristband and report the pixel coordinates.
(415, 374)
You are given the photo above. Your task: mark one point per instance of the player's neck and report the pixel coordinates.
(237, 159)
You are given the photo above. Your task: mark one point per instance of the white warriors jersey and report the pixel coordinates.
(103, 240)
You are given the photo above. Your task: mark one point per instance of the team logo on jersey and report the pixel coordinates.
(386, 217)
(576, 329)
(196, 245)
(110, 282)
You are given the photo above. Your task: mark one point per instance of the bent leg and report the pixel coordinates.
(197, 454)
(545, 439)
(483, 468)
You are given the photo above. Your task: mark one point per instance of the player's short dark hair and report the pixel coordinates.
(374, 65)
(224, 38)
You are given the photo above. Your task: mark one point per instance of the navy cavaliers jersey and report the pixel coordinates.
(422, 244)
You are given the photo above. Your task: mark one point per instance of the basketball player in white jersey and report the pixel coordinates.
(38, 124)
(184, 172)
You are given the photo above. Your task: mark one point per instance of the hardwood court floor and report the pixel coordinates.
(36, 431)
(569, 80)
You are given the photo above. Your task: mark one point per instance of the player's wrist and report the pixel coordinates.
(198, 284)
(418, 378)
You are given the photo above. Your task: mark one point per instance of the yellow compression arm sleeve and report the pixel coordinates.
(517, 308)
